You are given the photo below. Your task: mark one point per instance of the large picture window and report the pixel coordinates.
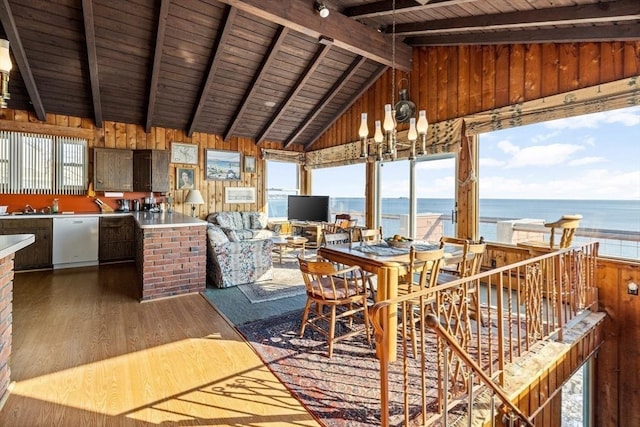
(42, 164)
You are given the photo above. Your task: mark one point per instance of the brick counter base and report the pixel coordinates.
(6, 309)
(171, 261)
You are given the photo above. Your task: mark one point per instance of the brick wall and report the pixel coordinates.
(6, 300)
(171, 261)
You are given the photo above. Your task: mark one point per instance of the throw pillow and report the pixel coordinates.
(216, 235)
(246, 220)
(258, 220)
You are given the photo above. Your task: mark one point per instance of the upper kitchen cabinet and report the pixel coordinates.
(151, 170)
(113, 169)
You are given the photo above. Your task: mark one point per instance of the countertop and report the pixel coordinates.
(12, 243)
(144, 219)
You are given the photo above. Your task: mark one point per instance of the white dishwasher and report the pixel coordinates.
(75, 241)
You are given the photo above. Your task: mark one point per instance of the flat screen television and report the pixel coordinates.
(308, 208)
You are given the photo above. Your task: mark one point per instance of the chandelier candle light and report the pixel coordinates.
(5, 69)
(386, 144)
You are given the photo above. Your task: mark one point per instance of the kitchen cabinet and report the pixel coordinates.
(151, 170)
(117, 239)
(37, 255)
(112, 169)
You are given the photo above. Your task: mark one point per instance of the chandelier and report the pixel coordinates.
(385, 144)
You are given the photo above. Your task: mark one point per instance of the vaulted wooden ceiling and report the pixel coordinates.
(266, 70)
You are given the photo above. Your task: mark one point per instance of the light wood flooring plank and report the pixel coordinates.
(86, 352)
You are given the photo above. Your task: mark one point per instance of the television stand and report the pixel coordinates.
(310, 230)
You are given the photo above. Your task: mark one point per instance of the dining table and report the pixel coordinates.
(387, 263)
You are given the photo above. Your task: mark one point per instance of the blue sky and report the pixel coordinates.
(595, 156)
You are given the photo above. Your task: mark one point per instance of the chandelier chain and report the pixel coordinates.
(393, 54)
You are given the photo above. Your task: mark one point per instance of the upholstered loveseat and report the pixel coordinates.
(238, 255)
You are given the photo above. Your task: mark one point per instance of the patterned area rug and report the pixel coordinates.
(341, 391)
(286, 282)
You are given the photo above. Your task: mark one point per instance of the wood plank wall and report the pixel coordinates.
(454, 81)
(129, 136)
(618, 362)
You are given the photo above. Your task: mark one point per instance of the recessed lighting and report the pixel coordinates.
(269, 104)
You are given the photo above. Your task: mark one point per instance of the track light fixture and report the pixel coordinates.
(321, 8)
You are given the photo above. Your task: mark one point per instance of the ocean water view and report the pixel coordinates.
(622, 215)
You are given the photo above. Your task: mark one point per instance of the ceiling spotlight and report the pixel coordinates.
(322, 9)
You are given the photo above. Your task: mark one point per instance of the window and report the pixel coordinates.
(584, 165)
(282, 180)
(42, 164)
(345, 185)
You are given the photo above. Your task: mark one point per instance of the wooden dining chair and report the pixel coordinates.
(370, 236)
(342, 238)
(336, 238)
(467, 264)
(423, 270)
(567, 225)
(342, 291)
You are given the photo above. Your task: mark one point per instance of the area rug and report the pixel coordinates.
(286, 282)
(341, 391)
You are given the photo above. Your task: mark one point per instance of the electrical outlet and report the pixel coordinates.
(632, 288)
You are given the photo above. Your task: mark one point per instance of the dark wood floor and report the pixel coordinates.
(86, 353)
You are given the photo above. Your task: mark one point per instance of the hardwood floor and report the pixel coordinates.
(86, 353)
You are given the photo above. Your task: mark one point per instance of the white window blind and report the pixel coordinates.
(42, 164)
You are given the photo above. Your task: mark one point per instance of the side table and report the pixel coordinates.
(282, 244)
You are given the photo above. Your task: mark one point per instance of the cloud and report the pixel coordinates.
(595, 184)
(538, 155)
(448, 163)
(587, 161)
(544, 136)
(491, 162)
(626, 117)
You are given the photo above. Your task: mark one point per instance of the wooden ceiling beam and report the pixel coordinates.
(217, 58)
(92, 59)
(385, 7)
(266, 64)
(618, 11)
(317, 109)
(374, 77)
(157, 60)
(322, 51)
(346, 33)
(625, 32)
(15, 43)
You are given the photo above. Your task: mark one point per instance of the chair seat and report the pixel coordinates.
(326, 291)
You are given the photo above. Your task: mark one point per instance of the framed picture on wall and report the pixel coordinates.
(185, 178)
(223, 165)
(184, 153)
(249, 164)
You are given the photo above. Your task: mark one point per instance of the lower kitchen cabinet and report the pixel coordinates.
(37, 255)
(117, 239)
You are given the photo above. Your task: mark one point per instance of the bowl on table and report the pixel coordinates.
(406, 243)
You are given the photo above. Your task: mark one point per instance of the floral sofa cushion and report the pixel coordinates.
(236, 263)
